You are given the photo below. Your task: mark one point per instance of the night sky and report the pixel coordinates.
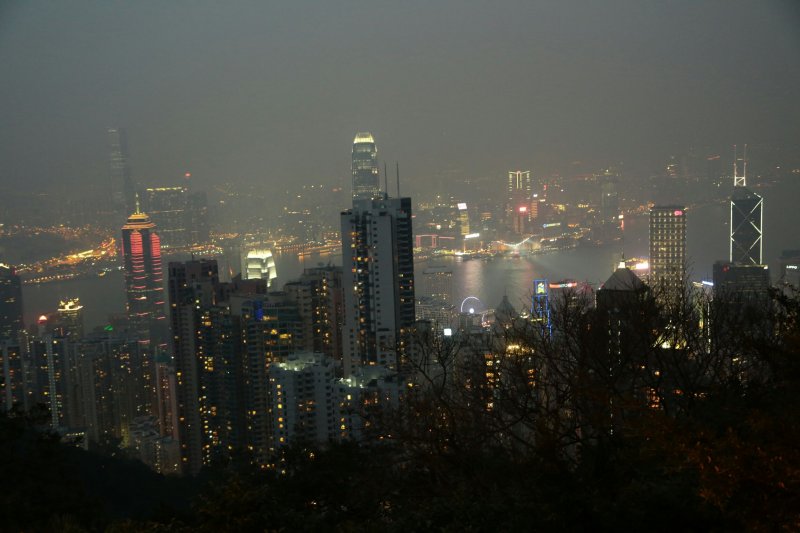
(273, 93)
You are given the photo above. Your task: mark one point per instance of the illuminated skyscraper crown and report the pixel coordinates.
(365, 167)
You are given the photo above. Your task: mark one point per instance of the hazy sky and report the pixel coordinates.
(273, 92)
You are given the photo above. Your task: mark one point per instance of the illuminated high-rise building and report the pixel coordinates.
(194, 290)
(10, 303)
(69, 319)
(48, 375)
(141, 249)
(463, 218)
(12, 377)
(318, 297)
(366, 184)
(668, 251)
(378, 263)
(104, 385)
(226, 336)
(260, 264)
(519, 184)
(304, 400)
(746, 221)
(518, 207)
(747, 211)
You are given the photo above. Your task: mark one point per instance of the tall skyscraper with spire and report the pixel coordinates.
(366, 182)
(746, 220)
(141, 249)
(743, 279)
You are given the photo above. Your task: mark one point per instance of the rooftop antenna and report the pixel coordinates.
(621, 222)
(385, 182)
(138, 211)
(739, 181)
(397, 173)
(744, 169)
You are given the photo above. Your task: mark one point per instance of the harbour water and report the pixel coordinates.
(102, 296)
(489, 280)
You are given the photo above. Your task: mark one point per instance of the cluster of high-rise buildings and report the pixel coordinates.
(202, 371)
(257, 369)
(96, 386)
(743, 274)
(180, 214)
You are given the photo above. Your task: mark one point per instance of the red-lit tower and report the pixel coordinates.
(141, 250)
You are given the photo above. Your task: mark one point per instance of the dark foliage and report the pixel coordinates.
(659, 433)
(51, 486)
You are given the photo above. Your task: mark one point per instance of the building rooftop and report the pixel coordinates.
(623, 279)
(363, 137)
(139, 220)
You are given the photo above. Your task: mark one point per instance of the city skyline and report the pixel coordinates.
(216, 311)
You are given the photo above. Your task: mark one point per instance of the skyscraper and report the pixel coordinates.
(463, 219)
(747, 212)
(260, 264)
(318, 297)
(627, 320)
(746, 221)
(741, 282)
(519, 185)
(10, 303)
(48, 375)
(438, 282)
(168, 210)
(609, 202)
(12, 376)
(226, 336)
(69, 319)
(377, 256)
(366, 184)
(518, 208)
(123, 189)
(197, 209)
(668, 251)
(609, 209)
(180, 215)
(304, 401)
(141, 249)
(194, 289)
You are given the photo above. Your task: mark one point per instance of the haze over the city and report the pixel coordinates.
(400, 266)
(272, 93)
